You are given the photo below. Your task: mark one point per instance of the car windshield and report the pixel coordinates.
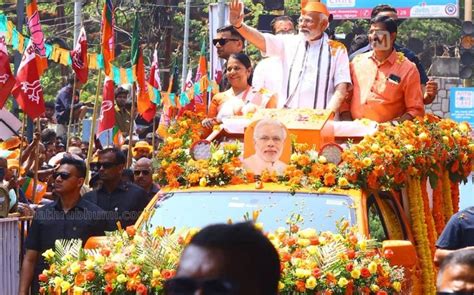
(198, 209)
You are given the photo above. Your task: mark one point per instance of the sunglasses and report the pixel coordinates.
(106, 165)
(188, 286)
(138, 172)
(222, 41)
(63, 175)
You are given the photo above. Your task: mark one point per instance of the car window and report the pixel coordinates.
(198, 209)
(392, 219)
(377, 228)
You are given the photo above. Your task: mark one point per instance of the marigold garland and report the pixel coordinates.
(455, 196)
(430, 224)
(447, 201)
(438, 213)
(420, 233)
(392, 221)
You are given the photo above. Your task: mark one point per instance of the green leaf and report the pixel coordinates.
(433, 178)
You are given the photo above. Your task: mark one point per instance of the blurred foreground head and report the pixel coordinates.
(456, 274)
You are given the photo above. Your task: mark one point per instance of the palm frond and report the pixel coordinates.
(68, 247)
(326, 256)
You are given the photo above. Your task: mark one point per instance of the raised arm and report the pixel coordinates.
(236, 18)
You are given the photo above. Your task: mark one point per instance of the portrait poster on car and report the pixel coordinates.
(267, 146)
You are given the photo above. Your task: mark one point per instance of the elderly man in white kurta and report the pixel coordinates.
(315, 69)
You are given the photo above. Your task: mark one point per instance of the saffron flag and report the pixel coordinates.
(117, 136)
(37, 35)
(7, 81)
(108, 43)
(27, 90)
(107, 110)
(154, 78)
(200, 99)
(145, 107)
(79, 57)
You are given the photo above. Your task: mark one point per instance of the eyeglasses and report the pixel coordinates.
(268, 138)
(305, 20)
(106, 165)
(188, 286)
(138, 172)
(222, 41)
(63, 175)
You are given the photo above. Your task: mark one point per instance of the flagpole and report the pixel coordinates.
(130, 134)
(153, 138)
(93, 126)
(71, 113)
(35, 179)
(22, 135)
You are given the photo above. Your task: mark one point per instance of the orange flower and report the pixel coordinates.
(236, 180)
(133, 270)
(142, 289)
(329, 179)
(168, 274)
(300, 286)
(42, 277)
(110, 276)
(109, 267)
(131, 230)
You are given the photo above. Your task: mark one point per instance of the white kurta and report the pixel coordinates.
(311, 69)
(268, 74)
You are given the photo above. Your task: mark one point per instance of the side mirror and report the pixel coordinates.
(404, 253)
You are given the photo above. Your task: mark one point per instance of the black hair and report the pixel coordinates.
(233, 32)
(120, 90)
(129, 174)
(49, 105)
(459, 257)
(75, 138)
(120, 157)
(48, 136)
(80, 165)
(245, 60)
(380, 8)
(389, 23)
(285, 18)
(246, 250)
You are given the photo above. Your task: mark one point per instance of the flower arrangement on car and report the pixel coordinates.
(139, 263)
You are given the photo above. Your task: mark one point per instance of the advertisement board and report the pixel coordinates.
(461, 104)
(356, 9)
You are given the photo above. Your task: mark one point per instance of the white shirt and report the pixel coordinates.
(309, 67)
(268, 74)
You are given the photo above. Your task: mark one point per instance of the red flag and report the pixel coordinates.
(79, 57)
(37, 35)
(144, 105)
(107, 111)
(7, 81)
(154, 78)
(108, 44)
(27, 90)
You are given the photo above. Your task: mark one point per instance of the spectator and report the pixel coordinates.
(122, 110)
(227, 259)
(386, 83)
(63, 106)
(141, 150)
(84, 147)
(315, 69)
(458, 234)
(456, 274)
(69, 217)
(143, 175)
(228, 41)
(75, 141)
(361, 45)
(281, 25)
(123, 200)
(48, 119)
(48, 135)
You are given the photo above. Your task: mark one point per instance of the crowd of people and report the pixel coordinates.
(375, 79)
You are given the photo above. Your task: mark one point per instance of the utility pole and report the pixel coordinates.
(77, 19)
(221, 12)
(185, 45)
(467, 18)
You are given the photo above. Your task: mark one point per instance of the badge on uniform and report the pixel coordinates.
(394, 79)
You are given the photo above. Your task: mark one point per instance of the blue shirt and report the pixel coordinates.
(459, 232)
(62, 104)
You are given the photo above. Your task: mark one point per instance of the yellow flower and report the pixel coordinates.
(322, 160)
(78, 290)
(311, 283)
(463, 127)
(456, 135)
(355, 273)
(374, 288)
(89, 264)
(302, 273)
(65, 285)
(307, 233)
(397, 286)
(121, 278)
(445, 139)
(375, 147)
(312, 249)
(67, 257)
(423, 136)
(48, 254)
(409, 147)
(281, 286)
(362, 245)
(294, 157)
(202, 182)
(342, 282)
(342, 182)
(164, 163)
(372, 267)
(75, 267)
(231, 147)
(259, 226)
(396, 152)
(57, 281)
(367, 161)
(303, 242)
(218, 155)
(100, 259)
(156, 273)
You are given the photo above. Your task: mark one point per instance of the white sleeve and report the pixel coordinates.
(275, 45)
(342, 73)
(258, 77)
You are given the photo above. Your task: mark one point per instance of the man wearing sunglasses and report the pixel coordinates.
(229, 259)
(228, 41)
(123, 200)
(69, 217)
(143, 175)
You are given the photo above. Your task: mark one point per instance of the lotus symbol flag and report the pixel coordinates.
(33, 90)
(107, 105)
(4, 78)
